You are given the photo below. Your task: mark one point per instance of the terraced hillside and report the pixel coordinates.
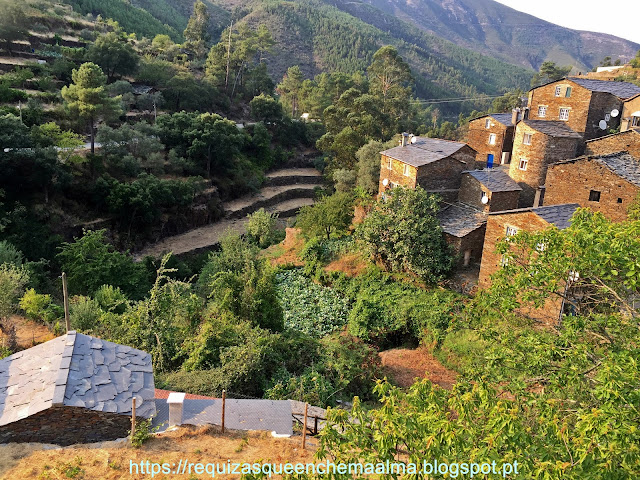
(286, 191)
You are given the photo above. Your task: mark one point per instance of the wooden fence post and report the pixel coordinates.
(65, 294)
(224, 397)
(304, 427)
(133, 417)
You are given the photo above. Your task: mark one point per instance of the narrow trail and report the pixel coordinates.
(294, 189)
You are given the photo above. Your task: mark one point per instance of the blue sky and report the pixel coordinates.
(617, 17)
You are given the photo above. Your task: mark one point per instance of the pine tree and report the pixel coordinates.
(197, 32)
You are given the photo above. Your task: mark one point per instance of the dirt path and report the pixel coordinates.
(265, 195)
(404, 365)
(290, 172)
(28, 332)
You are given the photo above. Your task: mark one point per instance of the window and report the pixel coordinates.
(487, 123)
(542, 111)
(594, 196)
(406, 170)
(567, 93)
(390, 164)
(564, 114)
(558, 89)
(619, 200)
(635, 122)
(492, 139)
(523, 164)
(527, 139)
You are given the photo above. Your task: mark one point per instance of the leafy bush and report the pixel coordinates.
(10, 254)
(308, 307)
(261, 227)
(84, 314)
(39, 307)
(111, 299)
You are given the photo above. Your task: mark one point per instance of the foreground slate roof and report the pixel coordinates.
(496, 180)
(460, 220)
(558, 215)
(425, 150)
(504, 118)
(621, 90)
(621, 163)
(76, 370)
(553, 128)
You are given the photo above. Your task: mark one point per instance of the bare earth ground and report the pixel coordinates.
(265, 193)
(292, 172)
(288, 251)
(404, 365)
(29, 333)
(22, 462)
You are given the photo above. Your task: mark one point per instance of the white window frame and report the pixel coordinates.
(492, 138)
(487, 123)
(524, 162)
(390, 164)
(511, 231)
(635, 121)
(542, 111)
(558, 91)
(526, 139)
(565, 111)
(406, 170)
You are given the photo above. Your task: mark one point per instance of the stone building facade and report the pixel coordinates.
(608, 184)
(630, 114)
(502, 224)
(491, 136)
(434, 164)
(537, 144)
(582, 103)
(74, 389)
(489, 190)
(627, 141)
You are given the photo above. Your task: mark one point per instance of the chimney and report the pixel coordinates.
(525, 113)
(176, 407)
(405, 139)
(515, 116)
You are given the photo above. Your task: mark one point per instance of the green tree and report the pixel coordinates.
(13, 280)
(114, 54)
(197, 32)
(508, 102)
(290, 89)
(403, 233)
(549, 72)
(13, 24)
(368, 166)
(261, 227)
(88, 99)
(266, 109)
(635, 62)
(331, 214)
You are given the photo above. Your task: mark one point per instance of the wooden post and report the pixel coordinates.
(133, 417)
(224, 397)
(304, 428)
(315, 426)
(65, 294)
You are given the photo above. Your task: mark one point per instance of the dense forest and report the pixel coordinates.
(112, 138)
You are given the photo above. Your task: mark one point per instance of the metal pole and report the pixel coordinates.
(304, 428)
(224, 397)
(65, 294)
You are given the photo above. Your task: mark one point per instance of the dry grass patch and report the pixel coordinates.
(404, 365)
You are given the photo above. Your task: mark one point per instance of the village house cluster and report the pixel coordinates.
(528, 169)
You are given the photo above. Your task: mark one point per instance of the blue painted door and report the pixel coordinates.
(490, 160)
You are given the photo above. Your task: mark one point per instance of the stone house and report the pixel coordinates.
(434, 164)
(630, 114)
(502, 224)
(464, 222)
(538, 143)
(582, 103)
(73, 389)
(491, 136)
(627, 141)
(606, 183)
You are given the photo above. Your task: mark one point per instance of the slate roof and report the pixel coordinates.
(553, 128)
(495, 180)
(460, 220)
(76, 370)
(621, 90)
(620, 163)
(503, 118)
(558, 215)
(425, 150)
(631, 131)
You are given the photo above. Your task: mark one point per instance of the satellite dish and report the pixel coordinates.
(485, 200)
(615, 113)
(602, 125)
(385, 182)
(414, 139)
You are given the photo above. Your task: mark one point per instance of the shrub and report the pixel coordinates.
(39, 307)
(111, 299)
(261, 227)
(85, 314)
(10, 254)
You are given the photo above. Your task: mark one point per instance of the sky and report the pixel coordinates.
(617, 17)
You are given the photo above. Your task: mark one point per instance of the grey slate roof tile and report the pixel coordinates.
(553, 128)
(459, 220)
(425, 150)
(621, 90)
(495, 180)
(620, 163)
(558, 215)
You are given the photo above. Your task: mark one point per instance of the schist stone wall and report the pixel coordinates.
(628, 141)
(578, 103)
(67, 426)
(479, 136)
(591, 184)
(471, 191)
(472, 243)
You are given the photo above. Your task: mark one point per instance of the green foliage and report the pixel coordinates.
(549, 72)
(85, 314)
(265, 108)
(111, 299)
(13, 24)
(197, 32)
(403, 233)
(329, 215)
(635, 62)
(368, 166)
(344, 180)
(113, 53)
(10, 254)
(308, 307)
(40, 307)
(142, 433)
(91, 262)
(261, 227)
(13, 279)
